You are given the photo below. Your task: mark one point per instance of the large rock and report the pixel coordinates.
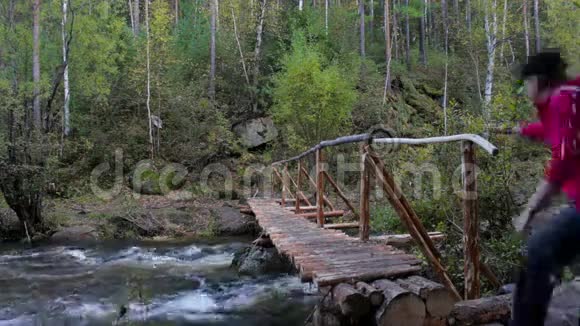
(9, 225)
(229, 221)
(256, 132)
(256, 261)
(75, 233)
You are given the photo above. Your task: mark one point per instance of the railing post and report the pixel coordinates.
(365, 192)
(470, 221)
(298, 185)
(319, 188)
(285, 183)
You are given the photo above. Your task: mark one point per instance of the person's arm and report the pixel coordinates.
(539, 201)
(533, 131)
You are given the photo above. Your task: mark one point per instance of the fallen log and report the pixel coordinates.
(351, 302)
(481, 311)
(375, 296)
(400, 307)
(341, 226)
(438, 300)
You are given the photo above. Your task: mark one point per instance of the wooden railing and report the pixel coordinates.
(373, 165)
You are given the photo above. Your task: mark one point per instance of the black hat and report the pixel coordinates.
(546, 65)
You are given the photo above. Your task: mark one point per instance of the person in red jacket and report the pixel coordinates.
(556, 243)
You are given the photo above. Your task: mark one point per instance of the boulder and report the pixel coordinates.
(256, 261)
(76, 233)
(256, 132)
(10, 228)
(229, 221)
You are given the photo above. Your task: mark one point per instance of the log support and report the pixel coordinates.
(365, 192)
(470, 222)
(320, 188)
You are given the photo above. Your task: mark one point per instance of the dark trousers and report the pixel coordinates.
(550, 249)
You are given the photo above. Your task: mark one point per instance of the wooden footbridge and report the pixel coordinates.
(300, 225)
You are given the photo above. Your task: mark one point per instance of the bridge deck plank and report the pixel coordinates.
(329, 256)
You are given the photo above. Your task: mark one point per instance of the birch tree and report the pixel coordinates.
(388, 50)
(36, 113)
(422, 52)
(490, 20)
(300, 5)
(258, 50)
(212, 47)
(468, 15)
(526, 27)
(148, 63)
(407, 36)
(326, 16)
(445, 17)
(66, 106)
(137, 16)
(361, 11)
(537, 25)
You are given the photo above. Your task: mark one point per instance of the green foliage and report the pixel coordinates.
(311, 96)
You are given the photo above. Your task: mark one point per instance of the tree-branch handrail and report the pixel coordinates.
(476, 139)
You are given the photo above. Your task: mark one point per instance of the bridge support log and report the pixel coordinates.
(481, 311)
(365, 192)
(319, 188)
(351, 302)
(400, 307)
(375, 296)
(438, 300)
(410, 219)
(470, 222)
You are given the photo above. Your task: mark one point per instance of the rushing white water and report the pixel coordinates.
(167, 284)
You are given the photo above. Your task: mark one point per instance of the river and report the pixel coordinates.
(143, 283)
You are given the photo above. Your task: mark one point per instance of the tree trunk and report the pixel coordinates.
(36, 114)
(66, 113)
(131, 16)
(361, 11)
(326, 15)
(301, 5)
(372, 18)
(137, 16)
(526, 28)
(537, 24)
(491, 36)
(212, 47)
(240, 47)
(468, 15)
(395, 30)
(407, 37)
(503, 29)
(258, 50)
(148, 61)
(176, 12)
(388, 51)
(445, 17)
(422, 54)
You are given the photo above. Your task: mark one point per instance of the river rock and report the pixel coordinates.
(256, 132)
(9, 225)
(256, 261)
(76, 233)
(229, 221)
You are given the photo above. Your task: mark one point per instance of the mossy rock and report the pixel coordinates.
(432, 91)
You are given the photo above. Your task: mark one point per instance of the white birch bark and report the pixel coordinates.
(503, 29)
(148, 61)
(258, 50)
(136, 12)
(490, 20)
(212, 49)
(301, 5)
(388, 51)
(326, 15)
(240, 46)
(537, 24)
(66, 112)
(36, 114)
(526, 28)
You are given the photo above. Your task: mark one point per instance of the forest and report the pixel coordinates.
(186, 81)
